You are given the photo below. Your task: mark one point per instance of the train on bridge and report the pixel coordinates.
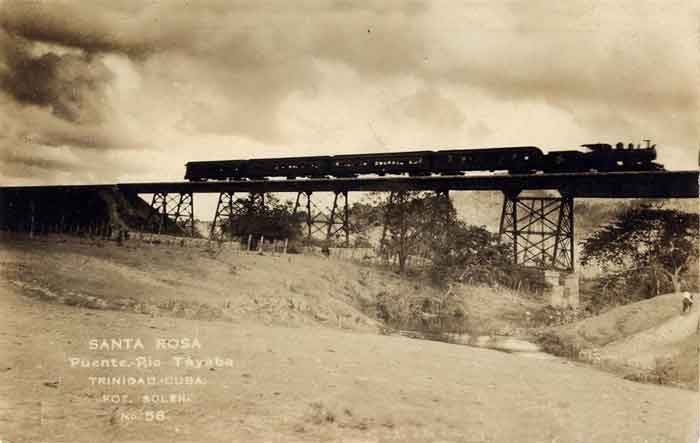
(597, 157)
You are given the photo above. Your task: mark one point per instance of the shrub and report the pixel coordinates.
(553, 344)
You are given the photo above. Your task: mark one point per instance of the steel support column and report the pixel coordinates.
(223, 217)
(184, 214)
(319, 224)
(229, 212)
(177, 209)
(540, 229)
(339, 222)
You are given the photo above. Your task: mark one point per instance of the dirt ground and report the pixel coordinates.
(314, 379)
(275, 289)
(646, 340)
(308, 384)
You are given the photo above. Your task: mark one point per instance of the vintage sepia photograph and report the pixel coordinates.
(349, 221)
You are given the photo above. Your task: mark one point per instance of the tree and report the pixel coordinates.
(644, 242)
(273, 219)
(426, 225)
(363, 217)
(469, 254)
(411, 221)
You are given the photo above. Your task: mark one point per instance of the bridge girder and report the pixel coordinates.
(648, 184)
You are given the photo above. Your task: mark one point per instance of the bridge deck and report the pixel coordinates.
(653, 184)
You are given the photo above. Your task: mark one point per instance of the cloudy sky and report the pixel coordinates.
(111, 90)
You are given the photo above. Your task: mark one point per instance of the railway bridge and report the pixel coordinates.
(541, 228)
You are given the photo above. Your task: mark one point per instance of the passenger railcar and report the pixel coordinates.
(216, 170)
(521, 159)
(415, 163)
(289, 167)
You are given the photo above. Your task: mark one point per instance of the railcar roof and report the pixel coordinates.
(303, 157)
(384, 154)
(204, 162)
(504, 148)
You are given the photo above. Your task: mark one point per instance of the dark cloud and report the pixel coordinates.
(26, 165)
(70, 85)
(252, 55)
(19, 162)
(93, 27)
(53, 99)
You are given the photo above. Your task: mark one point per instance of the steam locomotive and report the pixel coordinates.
(600, 157)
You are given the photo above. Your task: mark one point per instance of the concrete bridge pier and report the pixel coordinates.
(561, 289)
